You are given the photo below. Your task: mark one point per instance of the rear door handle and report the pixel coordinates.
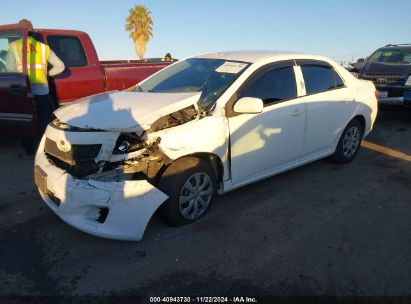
(17, 89)
(298, 112)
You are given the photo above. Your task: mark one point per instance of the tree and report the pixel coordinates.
(140, 26)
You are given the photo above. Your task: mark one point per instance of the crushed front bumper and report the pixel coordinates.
(115, 210)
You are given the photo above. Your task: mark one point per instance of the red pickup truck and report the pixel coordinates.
(84, 75)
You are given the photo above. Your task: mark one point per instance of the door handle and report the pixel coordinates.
(298, 112)
(17, 89)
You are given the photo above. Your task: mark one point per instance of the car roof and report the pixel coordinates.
(395, 47)
(403, 45)
(256, 56)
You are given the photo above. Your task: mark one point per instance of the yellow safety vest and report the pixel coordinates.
(37, 56)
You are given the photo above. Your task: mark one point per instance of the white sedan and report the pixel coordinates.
(204, 125)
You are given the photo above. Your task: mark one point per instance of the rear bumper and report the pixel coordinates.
(115, 210)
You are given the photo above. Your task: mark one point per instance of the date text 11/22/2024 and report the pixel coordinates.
(203, 300)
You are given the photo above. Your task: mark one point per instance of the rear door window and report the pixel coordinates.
(69, 49)
(320, 78)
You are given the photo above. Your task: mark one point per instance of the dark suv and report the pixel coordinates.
(390, 69)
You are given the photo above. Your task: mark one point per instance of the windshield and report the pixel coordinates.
(393, 56)
(211, 77)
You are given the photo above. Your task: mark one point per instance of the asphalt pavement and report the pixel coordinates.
(322, 229)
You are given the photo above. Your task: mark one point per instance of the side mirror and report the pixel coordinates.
(249, 105)
(360, 60)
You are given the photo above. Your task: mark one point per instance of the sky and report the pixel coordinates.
(342, 30)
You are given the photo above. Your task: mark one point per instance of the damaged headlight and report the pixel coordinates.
(128, 142)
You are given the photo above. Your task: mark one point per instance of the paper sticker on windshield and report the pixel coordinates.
(231, 67)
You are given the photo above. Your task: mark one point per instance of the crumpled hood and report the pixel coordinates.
(123, 111)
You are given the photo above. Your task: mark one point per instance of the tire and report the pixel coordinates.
(349, 143)
(181, 181)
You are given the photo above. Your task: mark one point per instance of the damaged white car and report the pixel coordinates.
(204, 125)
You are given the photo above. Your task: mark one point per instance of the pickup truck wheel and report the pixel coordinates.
(190, 184)
(349, 143)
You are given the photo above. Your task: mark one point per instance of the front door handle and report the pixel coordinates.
(17, 89)
(298, 112)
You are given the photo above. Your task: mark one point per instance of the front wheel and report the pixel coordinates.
(190, 184)
(349, 143)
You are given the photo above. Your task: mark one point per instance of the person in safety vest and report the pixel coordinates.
(39, 55)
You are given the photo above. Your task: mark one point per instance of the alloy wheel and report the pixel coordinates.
(351, 141)
(195, 196)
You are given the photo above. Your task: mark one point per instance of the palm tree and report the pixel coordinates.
(140, 26)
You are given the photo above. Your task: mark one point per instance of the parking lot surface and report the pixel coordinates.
(322, 229)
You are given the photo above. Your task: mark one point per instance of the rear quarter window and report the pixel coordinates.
(338, 81)
(69, 49)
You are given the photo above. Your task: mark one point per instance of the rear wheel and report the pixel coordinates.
(349, 143)
(190, 184)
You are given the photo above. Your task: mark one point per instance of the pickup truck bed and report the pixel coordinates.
(120, 75)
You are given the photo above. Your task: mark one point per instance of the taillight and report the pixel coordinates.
(377, 94)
